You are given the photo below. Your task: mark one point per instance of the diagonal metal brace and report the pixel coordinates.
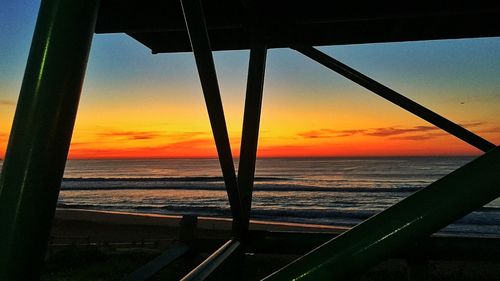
(396, 98)
(198, 35)
(202, 271)
(414, 218)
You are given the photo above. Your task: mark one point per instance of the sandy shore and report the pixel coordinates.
(208, 223)
(90, 226)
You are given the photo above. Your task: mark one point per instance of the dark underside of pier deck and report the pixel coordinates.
(160, 24)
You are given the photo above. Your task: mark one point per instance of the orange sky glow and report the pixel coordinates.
(138, 105)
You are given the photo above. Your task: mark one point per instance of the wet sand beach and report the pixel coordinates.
(121, 226)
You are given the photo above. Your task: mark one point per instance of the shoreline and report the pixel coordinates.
(203, 222)
(81, 227)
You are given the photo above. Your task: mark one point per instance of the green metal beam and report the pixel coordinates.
(414, 218)
(41, 133)
(209, 265)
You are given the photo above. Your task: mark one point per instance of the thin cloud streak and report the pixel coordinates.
(373, 132)
(400, 133)
(188, 148)
(130, 135)
(490, 130)
(148, 135)
(420, 137)
(391, 131)
(7, 102)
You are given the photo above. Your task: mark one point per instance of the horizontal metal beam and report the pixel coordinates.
(198, 36)
(159, 24)
(203, 270)
(413, 218)
(396, 98)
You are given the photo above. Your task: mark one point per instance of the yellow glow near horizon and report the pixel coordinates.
(163, 128)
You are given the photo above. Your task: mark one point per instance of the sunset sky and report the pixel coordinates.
(135, 104)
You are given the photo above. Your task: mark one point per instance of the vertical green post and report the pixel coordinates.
(41, 133)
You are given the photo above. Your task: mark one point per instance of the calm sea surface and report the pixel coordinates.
(333, 191)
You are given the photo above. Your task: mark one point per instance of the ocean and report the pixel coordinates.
(330, 191)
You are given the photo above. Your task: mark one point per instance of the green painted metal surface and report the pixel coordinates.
(415, 217)
(210, 264)
(41, 133)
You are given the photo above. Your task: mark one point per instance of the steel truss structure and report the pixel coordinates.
(41, 133)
